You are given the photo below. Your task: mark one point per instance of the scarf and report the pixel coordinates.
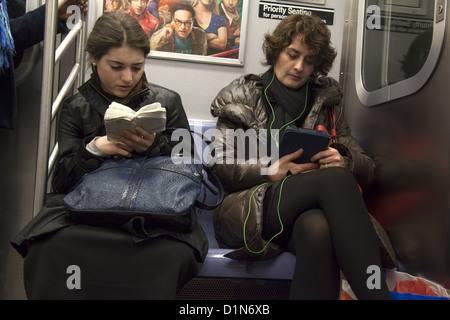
(141, 86)
(285, 107)
(6, 40)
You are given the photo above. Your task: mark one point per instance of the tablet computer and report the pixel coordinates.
(311, 141)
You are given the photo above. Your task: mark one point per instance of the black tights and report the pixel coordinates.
(327, 227)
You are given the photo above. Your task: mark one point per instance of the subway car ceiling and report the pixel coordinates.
(393, 64)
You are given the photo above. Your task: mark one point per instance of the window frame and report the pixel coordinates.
(404, 87)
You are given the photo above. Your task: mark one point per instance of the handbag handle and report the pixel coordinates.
(220, 192)
(212, 178)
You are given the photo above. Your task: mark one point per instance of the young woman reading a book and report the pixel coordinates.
(315, 209)
(117, 265)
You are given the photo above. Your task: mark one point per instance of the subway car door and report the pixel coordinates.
(396, 74)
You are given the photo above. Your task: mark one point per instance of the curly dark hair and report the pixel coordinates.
(312, 31)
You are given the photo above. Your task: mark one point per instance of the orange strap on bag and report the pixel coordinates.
(332, 121)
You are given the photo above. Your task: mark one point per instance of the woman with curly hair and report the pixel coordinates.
(314, 210)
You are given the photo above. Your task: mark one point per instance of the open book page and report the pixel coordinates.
(118, 117)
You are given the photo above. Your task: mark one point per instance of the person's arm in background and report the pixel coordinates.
(28, 29)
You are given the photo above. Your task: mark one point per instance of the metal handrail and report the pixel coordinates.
(62, 48)
(52, 159)
(65, 89)
(45, 162)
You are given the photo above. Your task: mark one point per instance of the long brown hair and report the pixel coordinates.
(312, 31)
(115, 30)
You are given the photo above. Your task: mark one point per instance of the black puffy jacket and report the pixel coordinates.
(240, 105)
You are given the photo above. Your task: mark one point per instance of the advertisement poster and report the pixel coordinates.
(190, 30)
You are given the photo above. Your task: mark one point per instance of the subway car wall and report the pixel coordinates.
(410, 197)
(407, 134)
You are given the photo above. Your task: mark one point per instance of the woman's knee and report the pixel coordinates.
(336, 179)
(312, 229)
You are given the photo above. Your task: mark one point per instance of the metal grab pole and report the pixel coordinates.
(51, 22)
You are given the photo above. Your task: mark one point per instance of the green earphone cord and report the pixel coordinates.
(282, 184)
(273, 112)
(279, 217)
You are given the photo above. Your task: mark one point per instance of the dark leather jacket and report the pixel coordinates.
(81, 120)
(240, 105)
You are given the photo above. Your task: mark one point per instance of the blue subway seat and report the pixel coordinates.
(218, 266)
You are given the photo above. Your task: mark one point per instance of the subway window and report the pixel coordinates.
(399, 43)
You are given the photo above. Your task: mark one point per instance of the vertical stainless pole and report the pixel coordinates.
(46, 105)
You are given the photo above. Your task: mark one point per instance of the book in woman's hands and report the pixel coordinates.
(311, 141)
(118, 117)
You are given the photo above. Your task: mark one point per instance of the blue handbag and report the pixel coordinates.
(162, 191)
